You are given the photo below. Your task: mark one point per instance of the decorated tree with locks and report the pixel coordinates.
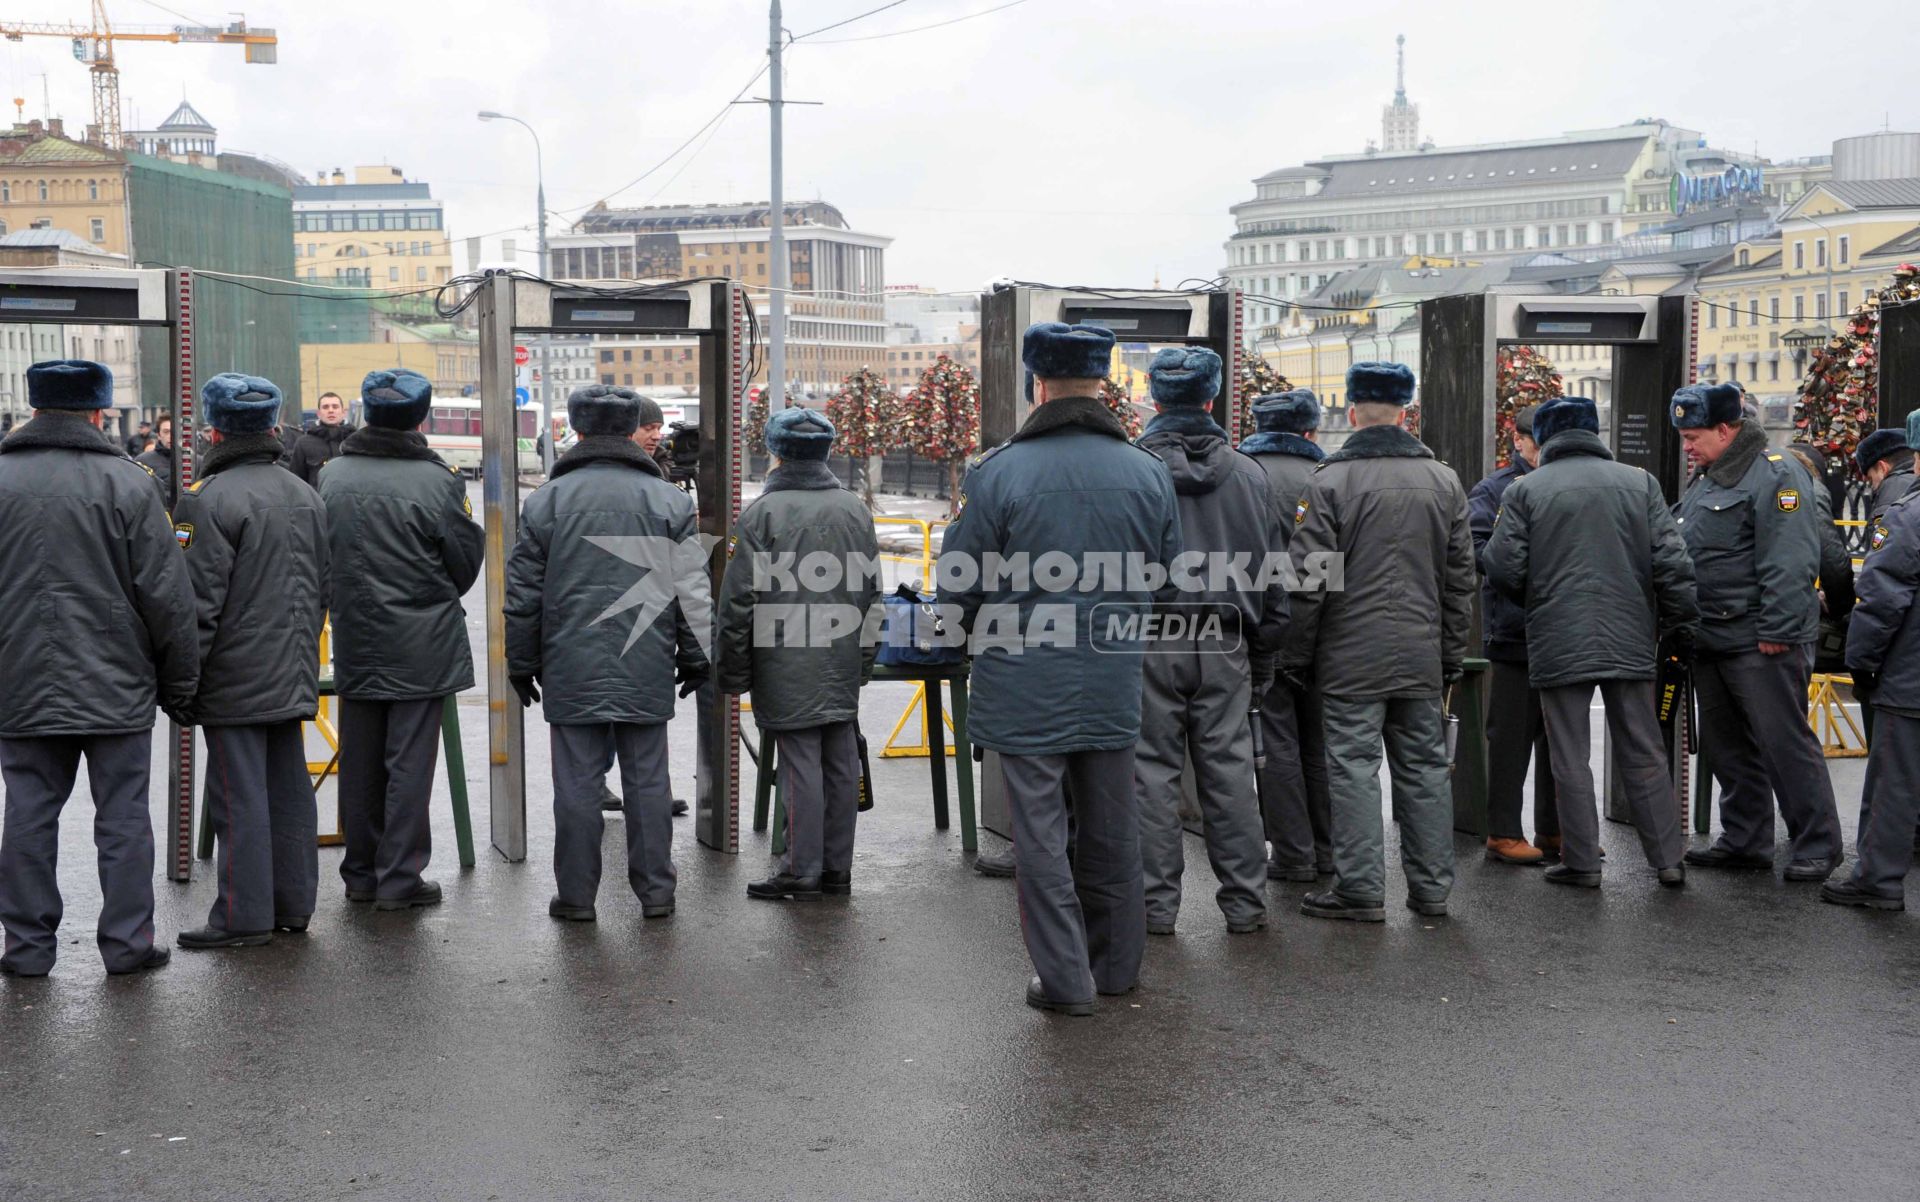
(1838, 402)
(757, 415)
(1257, 379)
(940, 420)
(1114, 395)
(1522, 376)
(866, 419)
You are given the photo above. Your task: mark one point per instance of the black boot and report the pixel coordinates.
(1724, 857)
(994, 864)
(1846, 893)
(297, 923)
(679, 808)
(156, 957)
(1560, 874)
(609, 800)
(836, 884)
(1330, 905)
(783, 885)
(428, 894)
(1038, 999)
(207, 938)
(1675, 877)
(566, 913)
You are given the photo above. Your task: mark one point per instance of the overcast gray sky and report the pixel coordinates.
(1056, 140)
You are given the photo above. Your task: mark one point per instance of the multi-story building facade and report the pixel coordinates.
(922, 325)
(382, 230)
(836, 316)
(21, 346)
(1759, 299)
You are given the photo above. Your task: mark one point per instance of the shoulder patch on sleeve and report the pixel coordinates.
(1878, 537)
(1787, 500)
(466, 504)
(183, 534)
(1300, 512)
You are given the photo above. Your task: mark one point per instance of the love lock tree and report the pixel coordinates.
(940, 420)
(757, 415)
(1114, 396)
(1522, 377)
(866, 416)
(1257, 379)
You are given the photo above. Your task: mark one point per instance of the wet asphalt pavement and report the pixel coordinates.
(1736, 1040)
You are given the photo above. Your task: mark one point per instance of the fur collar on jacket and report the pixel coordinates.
(1380, 442)
(1275, 442)
(53, 428)
(1573, 442)
(1185, 422)
(383, 443)
(1087, 412)
(809, 474)
(1747, 446)
(242, 448)
(606, 448)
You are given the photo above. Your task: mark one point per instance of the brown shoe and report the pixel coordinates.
(1514, 851)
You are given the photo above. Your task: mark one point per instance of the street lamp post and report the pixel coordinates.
(546, 375)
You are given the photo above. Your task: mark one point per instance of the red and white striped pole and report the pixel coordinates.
(185, 427)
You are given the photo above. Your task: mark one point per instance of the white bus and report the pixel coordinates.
(453, 431)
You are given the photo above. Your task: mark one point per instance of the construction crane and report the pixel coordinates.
(93, 45)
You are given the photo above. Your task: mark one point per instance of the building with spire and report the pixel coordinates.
(1400, 121)
(183, 136)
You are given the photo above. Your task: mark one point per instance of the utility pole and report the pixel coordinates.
(776, 236)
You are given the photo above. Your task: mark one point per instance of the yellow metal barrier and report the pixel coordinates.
(922, 566)
(324, 723)
(1840, 736)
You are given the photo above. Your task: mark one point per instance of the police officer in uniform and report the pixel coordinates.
(1064, 711)
(801, 647)
(1386, 647)
(1883, 653)
(404, 549)
(1293, 784)
(1588, 548)
(1886, 463)
(609, 685)
(1200, 682)
(96, 628)
(255, 539)
(1516, 730)
(1748, 518)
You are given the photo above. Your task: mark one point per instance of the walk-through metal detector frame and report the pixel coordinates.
(1653, 339)
(510, 305)
(1211, 318)
(1899, 357)
(149, 298)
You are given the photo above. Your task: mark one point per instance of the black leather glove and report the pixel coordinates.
(1678, 644)
(1451, 673)
(528, 690)
(1865, 685)
(175, 714)
(690, 675)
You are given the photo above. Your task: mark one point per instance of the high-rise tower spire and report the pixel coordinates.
(1400, 121)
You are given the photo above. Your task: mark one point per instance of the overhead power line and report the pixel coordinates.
(898, 33)
(850, 20)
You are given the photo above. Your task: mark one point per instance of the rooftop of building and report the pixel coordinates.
(47, 142)
(753, 215)
(58, 239)
(1464, 168)
(316, 193)
(1873, 193)
(185, 119)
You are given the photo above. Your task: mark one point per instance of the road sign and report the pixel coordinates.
(520, 398)
(520, 356)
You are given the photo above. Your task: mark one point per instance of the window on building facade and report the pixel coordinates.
(1799, 256)
(606, 377)
(393, 275)
(1753, 311)
(419, 219)
(43, 189)
(1842, 306)
(93, 190)
(1773, 308)
(6, 191)
(1845, 248)
(1419, 244)
(1713, 317)
(1820, 304)
(1819, 252)
(1606, 229)
(1799, 307)
(646, 379)
(1740, 258)
(98, 228)
(1773, 369)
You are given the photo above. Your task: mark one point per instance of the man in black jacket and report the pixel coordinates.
(321, 441)
(608, 602)
(1198, 685)
(1293, 784)
(805, 648)
(70, 691)
(159, 460)
(255, 540)
(1886, 463)
(1515, 730)
(136, 443)
(404, 549)
(1590, 550)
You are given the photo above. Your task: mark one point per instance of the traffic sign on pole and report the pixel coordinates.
(520, 356)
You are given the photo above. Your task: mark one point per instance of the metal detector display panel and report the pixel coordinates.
(1544, 326)
(666, 312)
(71, 304)
(1129, 323)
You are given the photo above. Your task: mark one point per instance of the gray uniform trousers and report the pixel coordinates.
(1753, 723)
(579, 771)
(388, 750)
(1194, 702)
(1638, 753)
(39, 775)
(1890, 805)
(1293, 785)
(1084, 923)
(820, 784)
(259, 799)
(1416, 749)
(1516, 733)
